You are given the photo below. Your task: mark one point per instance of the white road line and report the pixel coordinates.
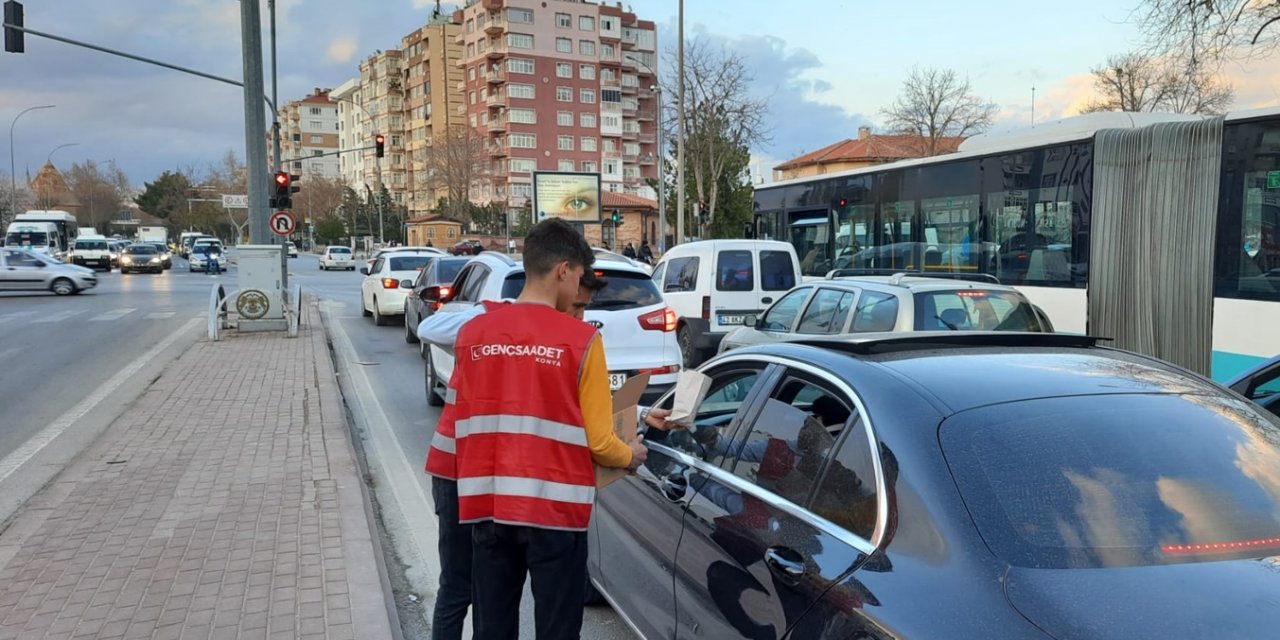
(39, 441)
(161, 315)
(56, 317)
(6, 317)
(115, 314)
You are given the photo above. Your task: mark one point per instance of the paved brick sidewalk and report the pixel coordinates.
(224, 503)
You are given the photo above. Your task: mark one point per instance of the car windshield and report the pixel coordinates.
(1119, 480)
(25, 238)
(139, 249)
(342, 250)
(207, 248)
(974, 310)
(624, 290)
(408, 263)
(91, 245)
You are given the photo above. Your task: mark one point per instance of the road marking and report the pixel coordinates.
(112, 315)
(14, 316)
(161, 315)
(56, 317)
(39, 441)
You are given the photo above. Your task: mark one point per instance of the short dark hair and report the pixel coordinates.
(591, 282)
(551, 242)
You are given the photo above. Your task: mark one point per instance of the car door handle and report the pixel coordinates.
(785, 562)
(675, 487)
(766, 300)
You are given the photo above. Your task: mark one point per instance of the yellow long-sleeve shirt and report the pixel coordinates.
(607, 449)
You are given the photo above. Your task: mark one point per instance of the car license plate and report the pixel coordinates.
(616, 380)
(730, 319)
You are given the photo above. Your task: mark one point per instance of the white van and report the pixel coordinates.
(41, 237)
(92, 251)
(713, 284)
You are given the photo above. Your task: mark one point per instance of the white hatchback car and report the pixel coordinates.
(637, 326)
(337, 257)
(380, 292)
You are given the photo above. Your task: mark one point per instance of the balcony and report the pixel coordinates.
(462, 86)
(630, 87)
(496, 76)
(647, 138)
(496, 99)
(630, 158)
(493, 5)
(647, 159)
(630, 134)
(497, 50)
(498, 149)
(629, 111)
(496, 26)
(645, 116)
(497, 125)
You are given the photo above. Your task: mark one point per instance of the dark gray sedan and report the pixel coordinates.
(439, 272)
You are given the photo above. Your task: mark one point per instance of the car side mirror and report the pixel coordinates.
(42, 264)
(364, 271)
(406, 284)
(429, 294)
(750, 320)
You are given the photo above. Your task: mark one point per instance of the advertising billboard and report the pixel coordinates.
(572, 196)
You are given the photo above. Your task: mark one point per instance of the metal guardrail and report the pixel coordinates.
(217, 311)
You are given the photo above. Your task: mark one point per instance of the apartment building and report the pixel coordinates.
(379, 100)
(353, 133)
(431, 104)
(309, 128)
(559, 85)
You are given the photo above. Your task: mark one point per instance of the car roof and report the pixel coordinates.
(913, 284)
(503, 262)
(699, 247)
(964, 370)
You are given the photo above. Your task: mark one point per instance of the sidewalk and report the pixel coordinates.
(225, 503)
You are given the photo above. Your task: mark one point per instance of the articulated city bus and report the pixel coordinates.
(1074, 213)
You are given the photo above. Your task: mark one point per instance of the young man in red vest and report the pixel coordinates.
(454, 540)
(533, 413)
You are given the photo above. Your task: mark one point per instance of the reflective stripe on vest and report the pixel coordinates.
(526, 488)
(450, 396)
(444, 443)
(522, 425)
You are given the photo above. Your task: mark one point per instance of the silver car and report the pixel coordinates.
(879, 304)
(24, 270)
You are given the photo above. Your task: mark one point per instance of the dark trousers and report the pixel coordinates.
(556, 562)
(454, 595)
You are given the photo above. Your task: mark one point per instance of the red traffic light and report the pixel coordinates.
(282, 180)
(379, 143)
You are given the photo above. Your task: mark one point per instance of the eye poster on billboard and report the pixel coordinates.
(572, 196)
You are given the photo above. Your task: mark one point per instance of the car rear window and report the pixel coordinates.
(777, 272)
(140, 249)
(974, 310)
(339, 250)
(409, 263)
(734, 271)
(447, 269)
(91, 245)
(624, 290)
(1119, 480)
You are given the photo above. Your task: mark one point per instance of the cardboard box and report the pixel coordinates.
(625, 421)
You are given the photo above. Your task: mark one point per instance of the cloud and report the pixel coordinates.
(342, 49)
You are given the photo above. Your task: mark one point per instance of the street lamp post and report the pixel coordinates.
(13, 168)
(662, 160)
(377, 164)
(48, 197)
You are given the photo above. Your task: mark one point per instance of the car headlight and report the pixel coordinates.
(126, 259)
(156, 259)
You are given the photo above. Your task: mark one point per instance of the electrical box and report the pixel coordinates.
(261, 296)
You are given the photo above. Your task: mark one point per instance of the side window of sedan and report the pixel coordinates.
(377, 265)
(848, 494)
(826, 312)
(709, 436)
(783, 314)
(474, 284)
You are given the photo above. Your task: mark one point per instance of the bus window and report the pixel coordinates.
(855, 235)
(951, 236)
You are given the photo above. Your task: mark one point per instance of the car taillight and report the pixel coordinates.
(671, 368)
(706, 307)
(444, 293)
(390, 283)
(663, 319)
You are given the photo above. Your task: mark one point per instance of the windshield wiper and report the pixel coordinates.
(949, 325)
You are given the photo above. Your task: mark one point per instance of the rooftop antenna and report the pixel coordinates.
(1033, 106)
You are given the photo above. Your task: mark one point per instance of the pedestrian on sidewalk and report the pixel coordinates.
(533, 413)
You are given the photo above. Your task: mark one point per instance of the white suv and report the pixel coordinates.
(637, 326)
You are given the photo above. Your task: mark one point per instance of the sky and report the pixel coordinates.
(825, 67)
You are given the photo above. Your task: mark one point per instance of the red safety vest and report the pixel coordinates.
(442, 459)
(521, 440)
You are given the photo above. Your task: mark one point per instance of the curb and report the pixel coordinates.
(353, 489)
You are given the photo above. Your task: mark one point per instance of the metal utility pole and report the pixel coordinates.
(662, 178)
(13, 169)
(275, 98)
(680, 120)
(255, 122)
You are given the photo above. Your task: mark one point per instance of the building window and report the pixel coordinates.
(519, 65)
(586, 23)
(610, 146)
(521, 190)
(471, 26)
(315, 111)
(612, 122)
(471, 95)
(523, 116)
(519, 41)
(564, 45)
(317, 139)
(564, 143)
(523, 141)
(587, 47)
(450, 232)
(587, 72)
(471, 74)
(608, 52)
(587, 120)
(520, 91)
(608, 23)
(297, 165)
(588, 144)
(608, 75)
(317, 152)
(564, 94)
(395, 140)
(587, 96)
(316, 124)
(524, 16)
(564, 21)
(523, 165)
(610, 95)
(564, 118)
(471, 49)
(317, 167)
(612, 167)
(589, 166)
(473, 121)
(565, 165)
(431, 232)
(564, 70)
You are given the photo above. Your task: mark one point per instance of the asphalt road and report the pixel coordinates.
(69, 365)
(397, 426)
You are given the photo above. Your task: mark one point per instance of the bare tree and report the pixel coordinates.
(22, 200)
(100, 189)
(722, 118)
(1211, 30)
(456, 160)
(319, 196)
(936, 104)
(1141, 82)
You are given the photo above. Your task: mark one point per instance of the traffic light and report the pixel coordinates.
(14, 39)
(617, 217)
(282, 199)
(380, 145)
